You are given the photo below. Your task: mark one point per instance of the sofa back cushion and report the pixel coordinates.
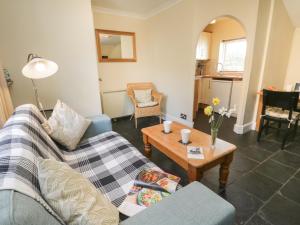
(66, 126)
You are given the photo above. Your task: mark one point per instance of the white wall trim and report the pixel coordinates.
(253, 125)
(141, 16)
(241, 129)
(179, 120)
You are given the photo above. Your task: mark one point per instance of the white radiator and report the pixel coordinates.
(116, 103)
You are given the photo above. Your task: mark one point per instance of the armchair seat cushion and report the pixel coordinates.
(281, 114)
(147, 104)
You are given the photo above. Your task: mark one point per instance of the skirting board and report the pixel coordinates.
(241, 129)
(179, 120)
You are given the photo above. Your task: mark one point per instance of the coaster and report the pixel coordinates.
(180, 141)
(165, 132)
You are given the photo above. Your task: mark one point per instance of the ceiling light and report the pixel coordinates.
(213, 21)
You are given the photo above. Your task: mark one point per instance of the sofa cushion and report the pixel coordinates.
(73, 197)
(99, 125)
(110, 162)
(66, 126)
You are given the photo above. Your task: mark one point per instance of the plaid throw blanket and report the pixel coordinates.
(108, 160)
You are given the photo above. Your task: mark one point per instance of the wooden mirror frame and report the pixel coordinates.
(113, 32)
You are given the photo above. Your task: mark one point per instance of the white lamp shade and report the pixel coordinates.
(38, 68)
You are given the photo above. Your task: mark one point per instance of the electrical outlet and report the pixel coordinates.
(183, 116)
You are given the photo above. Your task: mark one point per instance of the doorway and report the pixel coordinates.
(220, 61)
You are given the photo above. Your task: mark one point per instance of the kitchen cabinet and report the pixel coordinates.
(236, 95)
(222, 90)
(205, 91)
(203, 46)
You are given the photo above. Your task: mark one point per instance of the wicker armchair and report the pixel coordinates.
(144, 111)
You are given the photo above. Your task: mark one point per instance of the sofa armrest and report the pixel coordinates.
(20, 209)
(99, 124)
(194, 204)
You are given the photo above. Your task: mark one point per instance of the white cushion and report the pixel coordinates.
(142, 96)
(74, 198)
(66, 126)
(279, 113)
(147, 104)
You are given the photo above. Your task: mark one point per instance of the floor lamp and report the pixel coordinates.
(37, 68)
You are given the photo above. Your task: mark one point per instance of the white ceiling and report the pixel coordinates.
(146, 8)
(293, 8)
(135, 8)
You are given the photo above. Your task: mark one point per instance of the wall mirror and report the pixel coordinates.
(115, 46)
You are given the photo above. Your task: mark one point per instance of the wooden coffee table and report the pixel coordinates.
(169, 144)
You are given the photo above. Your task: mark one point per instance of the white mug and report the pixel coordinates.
(167, 126)
(185, 135)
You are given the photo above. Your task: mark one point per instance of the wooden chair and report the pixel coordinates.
(144, 111)
(279, 107)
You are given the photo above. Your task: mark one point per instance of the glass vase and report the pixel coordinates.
(214, 135)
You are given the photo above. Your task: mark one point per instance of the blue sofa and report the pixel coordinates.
(192, 205)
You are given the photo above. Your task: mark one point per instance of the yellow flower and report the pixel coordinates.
(216, 101)
(208, 110)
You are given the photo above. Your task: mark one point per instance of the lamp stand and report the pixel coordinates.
(37, 99)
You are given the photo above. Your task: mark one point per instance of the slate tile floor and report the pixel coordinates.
(264, 181)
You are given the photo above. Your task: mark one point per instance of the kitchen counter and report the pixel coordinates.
(220, 77)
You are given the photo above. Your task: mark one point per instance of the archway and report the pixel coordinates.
(220, 64)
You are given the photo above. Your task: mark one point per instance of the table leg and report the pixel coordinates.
(224, 170)
(194, 174)
(147, 148)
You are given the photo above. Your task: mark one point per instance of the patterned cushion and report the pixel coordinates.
(66, 126)
(279, 113)
(73, 197)
(147, 104)
(142, 96)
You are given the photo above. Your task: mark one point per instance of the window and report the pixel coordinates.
(232, 55)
